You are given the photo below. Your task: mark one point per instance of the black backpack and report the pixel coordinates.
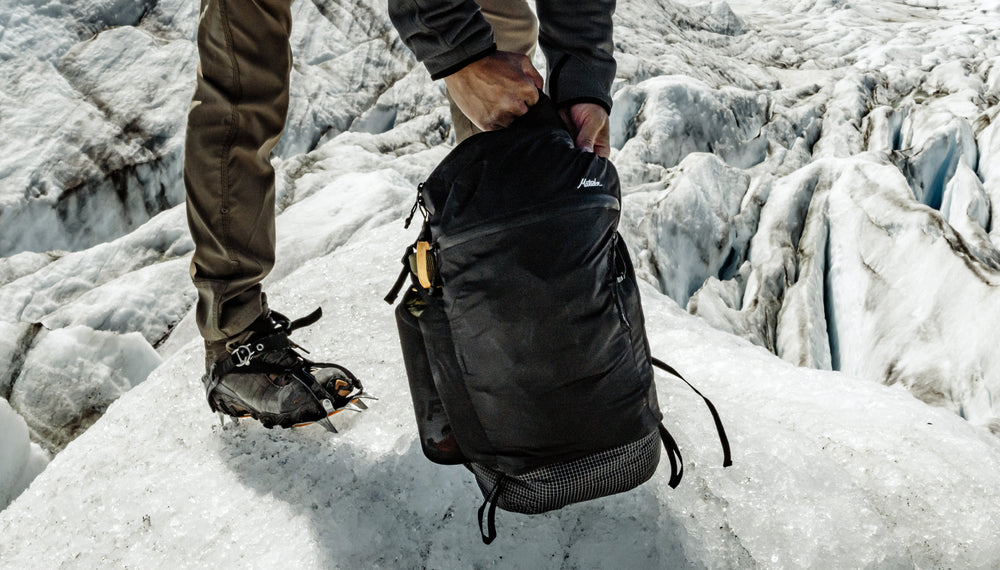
(522, 329)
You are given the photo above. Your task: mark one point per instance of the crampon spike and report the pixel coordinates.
(327, 425)
(232, 419)
(325, 421)
(353, 407)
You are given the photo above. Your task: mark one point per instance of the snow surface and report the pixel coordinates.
(814, 181)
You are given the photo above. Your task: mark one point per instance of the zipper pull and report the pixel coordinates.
(418, 203)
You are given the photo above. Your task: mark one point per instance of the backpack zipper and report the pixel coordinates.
(617, 277)
(565, 206)
(417, 204)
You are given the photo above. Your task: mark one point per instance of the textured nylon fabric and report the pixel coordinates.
(532, 340)
(537, 326)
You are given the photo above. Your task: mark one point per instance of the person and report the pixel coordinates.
(483, 50)
(483, 53)
(235, 120)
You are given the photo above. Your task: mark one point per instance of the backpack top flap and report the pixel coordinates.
(497, 175)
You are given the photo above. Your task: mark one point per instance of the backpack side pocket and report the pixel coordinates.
(437, 438)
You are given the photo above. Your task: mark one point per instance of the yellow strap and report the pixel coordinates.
(422, 274)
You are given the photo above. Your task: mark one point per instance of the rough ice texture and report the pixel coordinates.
(72, 374)
(865, 238)
(818, 178)
(98, 92)
(21, 460)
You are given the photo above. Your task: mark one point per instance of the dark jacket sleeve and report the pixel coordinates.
(576, 38)
(446, 35)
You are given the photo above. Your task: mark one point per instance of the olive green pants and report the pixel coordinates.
(236, 118)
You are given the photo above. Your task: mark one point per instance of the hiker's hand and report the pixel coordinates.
(496, 89)
(588, 123)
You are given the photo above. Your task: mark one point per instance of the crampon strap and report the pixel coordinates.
(246, 357)
(305, 321)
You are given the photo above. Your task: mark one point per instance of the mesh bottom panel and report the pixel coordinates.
(554, 486)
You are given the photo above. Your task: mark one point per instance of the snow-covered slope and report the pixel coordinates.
(812, 179)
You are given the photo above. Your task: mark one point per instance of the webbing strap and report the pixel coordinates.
(423, 275)
(727, 458)
(243, 354)
(307, 320)
(491, 501)
(403, 273)
(674, 454)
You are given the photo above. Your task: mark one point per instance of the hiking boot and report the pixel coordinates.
(259, 374)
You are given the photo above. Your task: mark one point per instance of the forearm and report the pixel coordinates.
(445, 35)
(577, 40)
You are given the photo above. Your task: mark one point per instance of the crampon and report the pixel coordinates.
(265, 378)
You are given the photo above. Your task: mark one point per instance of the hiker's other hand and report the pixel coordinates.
(588, 123)
(496, 89)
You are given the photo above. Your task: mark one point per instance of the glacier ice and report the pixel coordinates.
(812, 179)
(21, 460)
(71, 375)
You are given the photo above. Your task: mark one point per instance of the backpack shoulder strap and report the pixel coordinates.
(674, 455)
(727, 459)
